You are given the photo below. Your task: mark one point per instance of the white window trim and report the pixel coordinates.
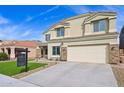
(99, 25)
(46, 37)
(55, 51)
(60, 33)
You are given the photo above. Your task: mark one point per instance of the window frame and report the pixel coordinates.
(47, 37)
(99, 27)
(59, 32)
(56, 50)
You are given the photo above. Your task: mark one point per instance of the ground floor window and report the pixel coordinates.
(56, 50)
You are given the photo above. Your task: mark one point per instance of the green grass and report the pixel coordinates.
(10, 68)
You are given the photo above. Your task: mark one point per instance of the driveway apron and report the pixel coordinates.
(74, 74)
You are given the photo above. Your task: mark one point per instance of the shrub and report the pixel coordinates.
(3, 56)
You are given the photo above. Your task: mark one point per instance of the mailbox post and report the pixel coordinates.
(26, 65)
(22, 58)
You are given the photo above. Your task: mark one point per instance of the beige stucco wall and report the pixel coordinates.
(66, 44)
(76, 29)
(111, 25)
(50, 45)
(31, 54)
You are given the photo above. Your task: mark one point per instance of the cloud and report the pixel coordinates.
(49, 10)
(78, 9)
(51, 17)
(8, 32)
(120, 15)
(17, 32)
(29, 18)
(26, 33)
(25, 30)
(21, 31)
(3, 20)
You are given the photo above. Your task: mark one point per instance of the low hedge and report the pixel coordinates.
(3, 56)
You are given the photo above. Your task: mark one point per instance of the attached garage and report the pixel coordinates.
(88, 53)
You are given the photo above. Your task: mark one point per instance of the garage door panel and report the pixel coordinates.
(95, 54)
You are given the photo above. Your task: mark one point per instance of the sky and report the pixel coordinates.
(30, 21)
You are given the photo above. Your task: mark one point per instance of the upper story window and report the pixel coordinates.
(60, 31)
(100, 25)
(47, 37)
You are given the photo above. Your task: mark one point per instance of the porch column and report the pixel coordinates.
(6, 51)
(41, 49)
(1, 50)
(38, 52)
(44, 50)
(12, 54)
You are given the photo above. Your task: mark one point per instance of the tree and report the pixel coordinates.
(121, 44)
(3, 56)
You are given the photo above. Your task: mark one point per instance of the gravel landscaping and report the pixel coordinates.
(118, 71)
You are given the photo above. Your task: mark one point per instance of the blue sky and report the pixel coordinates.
(29, 22)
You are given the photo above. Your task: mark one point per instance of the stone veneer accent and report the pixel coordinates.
(63, 54)
(121, 55)
(114, 54)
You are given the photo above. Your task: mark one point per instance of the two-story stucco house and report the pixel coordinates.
(82, 38)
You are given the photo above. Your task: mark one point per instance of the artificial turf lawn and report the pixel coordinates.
(10, 68)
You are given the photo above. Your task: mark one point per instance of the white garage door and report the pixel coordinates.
(91, 54)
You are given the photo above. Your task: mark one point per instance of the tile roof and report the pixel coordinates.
(32, 44)
(26, 43)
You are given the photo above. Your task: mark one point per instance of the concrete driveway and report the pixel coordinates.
(6, 81)
(74, 75)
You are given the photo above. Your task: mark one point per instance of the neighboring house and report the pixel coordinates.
(9, 47)
(83, 38)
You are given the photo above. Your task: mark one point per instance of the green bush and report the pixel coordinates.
(3, 56)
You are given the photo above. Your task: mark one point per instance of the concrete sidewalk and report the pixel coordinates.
(74, 75)
(6, 81)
